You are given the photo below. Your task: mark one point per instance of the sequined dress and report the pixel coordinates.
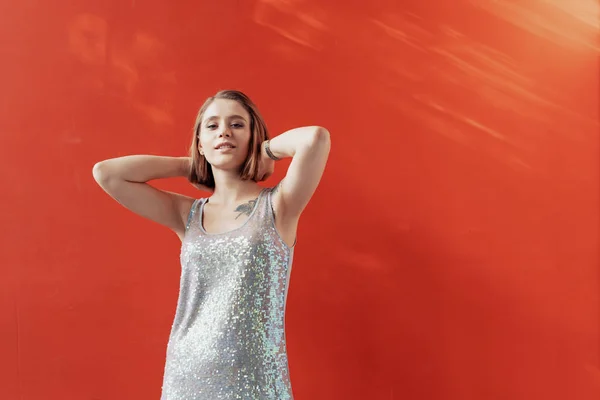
(227, 340)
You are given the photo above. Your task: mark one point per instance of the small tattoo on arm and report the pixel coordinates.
(245, 208)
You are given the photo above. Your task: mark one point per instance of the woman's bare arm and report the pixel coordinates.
(125, 180)
(309, 148)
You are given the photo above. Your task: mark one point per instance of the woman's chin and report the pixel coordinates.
(229, 166)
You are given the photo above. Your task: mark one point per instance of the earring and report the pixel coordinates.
(201, 152)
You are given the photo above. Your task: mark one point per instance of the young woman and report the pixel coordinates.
(227, 340)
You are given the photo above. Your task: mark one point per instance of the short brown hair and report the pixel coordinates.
(200, 170)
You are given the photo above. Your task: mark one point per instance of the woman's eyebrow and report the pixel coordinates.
(229, 117)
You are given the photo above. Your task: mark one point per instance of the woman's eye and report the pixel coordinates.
(236, 125)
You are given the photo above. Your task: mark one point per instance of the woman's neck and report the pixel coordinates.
(230, 189)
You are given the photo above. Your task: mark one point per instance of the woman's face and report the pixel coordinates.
(225, 121)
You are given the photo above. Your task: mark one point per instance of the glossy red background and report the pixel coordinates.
(451, 251)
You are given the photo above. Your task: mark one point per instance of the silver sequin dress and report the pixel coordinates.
(228, 336)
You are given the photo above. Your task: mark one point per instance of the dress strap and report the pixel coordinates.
(270, 212)
(192, 212)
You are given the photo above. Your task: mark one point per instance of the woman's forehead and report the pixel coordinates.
(225, 108)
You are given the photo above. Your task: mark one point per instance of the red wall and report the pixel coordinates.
(451, 251)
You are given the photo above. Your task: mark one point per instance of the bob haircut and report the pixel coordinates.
(200, 171)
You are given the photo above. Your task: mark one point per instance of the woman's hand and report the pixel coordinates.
(266, 165)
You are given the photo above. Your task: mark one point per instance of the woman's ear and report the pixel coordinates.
(200, 146)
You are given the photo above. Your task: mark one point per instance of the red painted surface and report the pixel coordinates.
(451, 251)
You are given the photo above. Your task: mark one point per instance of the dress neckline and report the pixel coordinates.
(201, 216)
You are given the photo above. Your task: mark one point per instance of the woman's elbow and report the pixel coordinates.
(320, 137)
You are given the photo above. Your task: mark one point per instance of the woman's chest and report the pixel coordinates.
(217, 220)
